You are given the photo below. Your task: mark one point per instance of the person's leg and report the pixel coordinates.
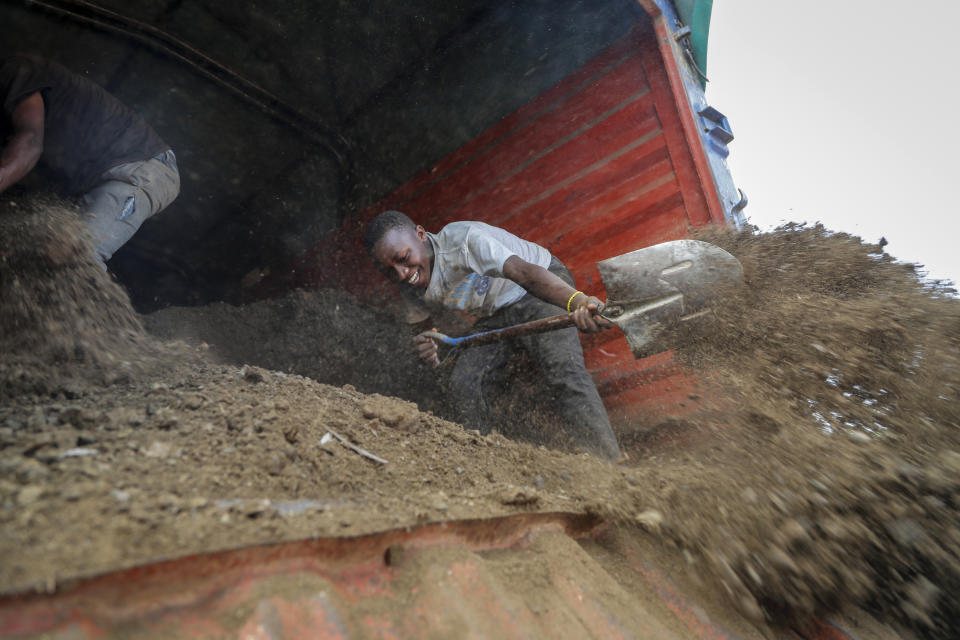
(129, 194)
(472, 375)
(559, 356)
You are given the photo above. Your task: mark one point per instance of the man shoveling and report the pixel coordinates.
(93, 145)
(501, 279)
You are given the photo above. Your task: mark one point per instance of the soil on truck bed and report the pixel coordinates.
(823, 472)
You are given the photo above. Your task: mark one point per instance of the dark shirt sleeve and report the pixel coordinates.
(19, 79)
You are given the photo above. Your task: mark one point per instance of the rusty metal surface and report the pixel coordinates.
(399, 584)
(464, 579)
(186, 591)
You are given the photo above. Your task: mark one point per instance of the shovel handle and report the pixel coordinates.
(542, 325)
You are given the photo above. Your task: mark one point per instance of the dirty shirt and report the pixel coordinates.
(467, 271)
(86, 130)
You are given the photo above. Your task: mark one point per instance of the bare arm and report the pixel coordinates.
(21, 153)
(550, 288)
(544, 285)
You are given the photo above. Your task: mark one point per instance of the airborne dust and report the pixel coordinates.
(823, 468)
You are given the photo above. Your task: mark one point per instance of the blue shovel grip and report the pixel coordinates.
(455, 342)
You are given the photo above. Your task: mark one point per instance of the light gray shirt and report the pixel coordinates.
(467, 274)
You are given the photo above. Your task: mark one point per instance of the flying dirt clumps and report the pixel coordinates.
(832, 469)
(62, 319)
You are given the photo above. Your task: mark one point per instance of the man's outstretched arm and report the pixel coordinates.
(550, 288)
(23, 150)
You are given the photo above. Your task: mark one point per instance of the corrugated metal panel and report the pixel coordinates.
(439, 580)
(594, 167)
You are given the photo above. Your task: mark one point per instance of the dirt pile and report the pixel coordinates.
(325, 335)
(220, 457)
(63, 319)
(330, 337)
(827, 470)
(833, 476)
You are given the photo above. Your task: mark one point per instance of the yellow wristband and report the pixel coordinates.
(575, 294)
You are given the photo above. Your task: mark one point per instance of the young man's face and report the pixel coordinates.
(404, 256)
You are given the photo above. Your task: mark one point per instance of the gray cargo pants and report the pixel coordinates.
(129, 194)
(559, 357)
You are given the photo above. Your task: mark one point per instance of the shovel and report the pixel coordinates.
(651, 292)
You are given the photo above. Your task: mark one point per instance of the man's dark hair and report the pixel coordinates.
(379, 226)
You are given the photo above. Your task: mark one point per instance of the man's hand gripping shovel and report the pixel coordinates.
(653, 294)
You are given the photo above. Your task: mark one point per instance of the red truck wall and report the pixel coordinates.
(596, 166)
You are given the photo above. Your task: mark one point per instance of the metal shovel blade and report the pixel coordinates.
(655, 290)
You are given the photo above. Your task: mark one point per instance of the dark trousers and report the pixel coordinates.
(559, 357)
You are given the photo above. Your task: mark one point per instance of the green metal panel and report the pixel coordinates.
(696, 14)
